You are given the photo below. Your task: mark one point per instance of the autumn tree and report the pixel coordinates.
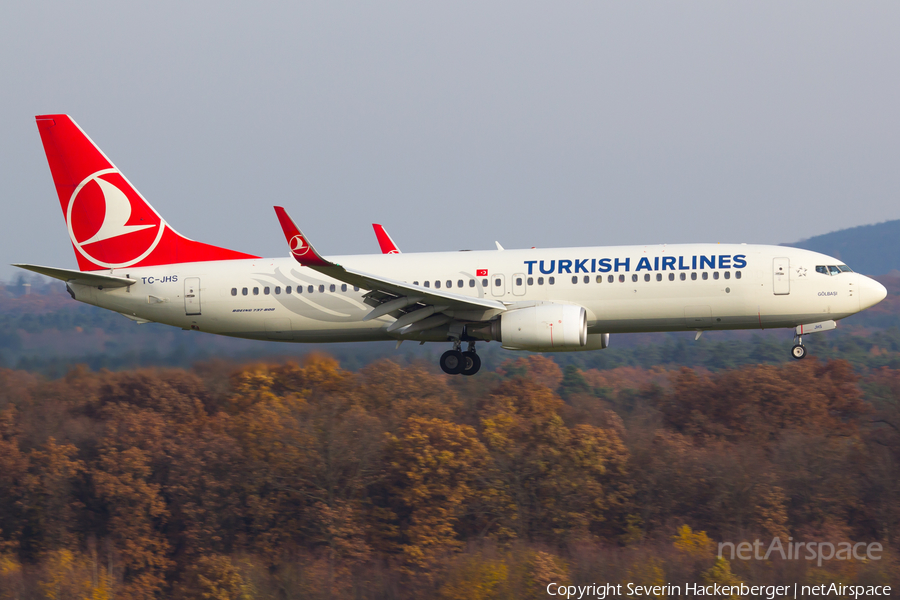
(562, 482)
(433, 469)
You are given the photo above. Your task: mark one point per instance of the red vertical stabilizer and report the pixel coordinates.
(110, 224)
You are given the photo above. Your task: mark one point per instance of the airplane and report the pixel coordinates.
(131, 260)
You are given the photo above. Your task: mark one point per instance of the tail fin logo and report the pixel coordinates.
(299, 247)
(109, 223)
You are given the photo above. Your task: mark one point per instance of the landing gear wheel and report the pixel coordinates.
(798, 351)
(472, 363)
(452, 362)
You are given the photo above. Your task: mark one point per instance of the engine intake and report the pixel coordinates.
(542, 328)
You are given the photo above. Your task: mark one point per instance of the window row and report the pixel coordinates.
(634, 278)
(287, 290)
(449, 283)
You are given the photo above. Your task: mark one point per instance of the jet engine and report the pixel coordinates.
(542, 328)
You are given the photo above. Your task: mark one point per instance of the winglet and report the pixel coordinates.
(384, 240)
(301, 249)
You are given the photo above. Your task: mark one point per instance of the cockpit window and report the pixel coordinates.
(833, 269)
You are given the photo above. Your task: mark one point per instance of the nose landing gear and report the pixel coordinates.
(454, 362)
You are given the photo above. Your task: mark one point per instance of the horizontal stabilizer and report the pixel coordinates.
(79, 277)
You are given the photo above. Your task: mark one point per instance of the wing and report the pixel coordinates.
(79, 277)
(384, 240)
(414, 307)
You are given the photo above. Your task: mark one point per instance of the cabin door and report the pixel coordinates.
(192, 296)
(782, 274)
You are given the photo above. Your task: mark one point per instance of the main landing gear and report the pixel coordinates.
(455, 362)
(799, 350)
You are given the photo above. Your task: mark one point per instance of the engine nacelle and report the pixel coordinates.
(542, 328)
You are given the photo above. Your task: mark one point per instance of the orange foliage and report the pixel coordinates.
(308, 480)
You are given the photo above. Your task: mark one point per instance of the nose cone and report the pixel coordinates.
(870, 292)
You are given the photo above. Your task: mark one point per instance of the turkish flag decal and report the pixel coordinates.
(481, 273)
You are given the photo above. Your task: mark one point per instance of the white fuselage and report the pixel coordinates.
(731, 287)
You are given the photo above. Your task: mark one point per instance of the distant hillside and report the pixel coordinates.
(869, 249)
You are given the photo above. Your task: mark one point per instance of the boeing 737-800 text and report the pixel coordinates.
(132, 261)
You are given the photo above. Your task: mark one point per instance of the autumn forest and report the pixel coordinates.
(306, 480)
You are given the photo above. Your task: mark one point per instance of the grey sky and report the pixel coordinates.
(455, 124)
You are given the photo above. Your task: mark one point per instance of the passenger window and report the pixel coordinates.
(659, 276)
(737, 274)
(551, 280)
(471, 283)
(415, 283)
(321, 289)
(587, 279)
(694, 276)
(634, 277)
(427, 284)
(715, 274)
(611, 278)
(437, 285)
(244, 292)
(266, 290)
(256, 291)
(459, 283)
(355, 288)
(834, 270)
(343, 287)
(682, 276)
(277, 290)
(540, 281)
(234, 291)
(449, 284)
(574, 278)
(705, 275)
(621, 279)
(671, 276)
(484, 283)
(287, 290)
(599, 278)
(822, 269)
(530, 281)
(727, 274)
(332, 288)
(498, 282)
(310, 289)
(518, 281)
(646, 276)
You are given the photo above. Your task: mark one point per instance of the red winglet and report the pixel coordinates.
(301, 249)
(384, 240)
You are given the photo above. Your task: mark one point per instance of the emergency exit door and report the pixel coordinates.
(498, 285)
(518, 287)
(192, 296)
(782, 274)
